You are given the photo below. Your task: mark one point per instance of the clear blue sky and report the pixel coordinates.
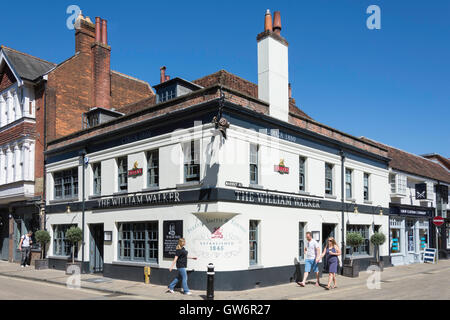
(391, 85)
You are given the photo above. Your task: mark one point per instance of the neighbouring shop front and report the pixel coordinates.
(409, 233)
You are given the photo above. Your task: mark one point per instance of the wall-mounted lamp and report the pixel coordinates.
(68, 210)
(381, 210)
(356, 210)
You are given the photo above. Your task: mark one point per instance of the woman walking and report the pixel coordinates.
(331, 253)
(180, 260)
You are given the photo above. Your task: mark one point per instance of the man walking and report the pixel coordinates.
(312, 258)
(25, 248)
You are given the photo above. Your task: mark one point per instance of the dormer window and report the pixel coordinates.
(97, 116)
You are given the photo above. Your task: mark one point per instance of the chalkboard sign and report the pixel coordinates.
(172, 231)
(429, 255)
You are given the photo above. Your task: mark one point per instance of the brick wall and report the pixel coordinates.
(126, 90)
(17, 132)
(7, 78)
(230, 80)
(39, 94)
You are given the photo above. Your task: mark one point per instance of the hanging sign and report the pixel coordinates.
(135, 172)
(281, 168)
(421, 191)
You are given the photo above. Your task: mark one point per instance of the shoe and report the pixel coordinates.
(22, 266)
(189, 293)
(170, 291)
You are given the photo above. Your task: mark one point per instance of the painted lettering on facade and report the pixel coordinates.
(276, 199)
(139, 200)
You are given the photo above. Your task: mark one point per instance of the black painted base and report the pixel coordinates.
(225, 281)
(60, 264)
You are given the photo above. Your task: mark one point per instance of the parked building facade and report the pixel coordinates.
(40, 101)
(233, 167)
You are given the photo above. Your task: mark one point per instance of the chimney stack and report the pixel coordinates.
(84, 34)
(290, 91)
(104, 32)
(277, 22)
(163, 77)
(268, 21)
(273, 68)
(101, 65)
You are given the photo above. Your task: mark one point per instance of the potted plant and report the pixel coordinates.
(42, 237)
(74, 236)
(377, 239)
(351, 267)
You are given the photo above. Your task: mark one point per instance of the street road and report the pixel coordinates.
(20, 289)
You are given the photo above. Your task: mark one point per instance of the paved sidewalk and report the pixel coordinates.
(393, 280)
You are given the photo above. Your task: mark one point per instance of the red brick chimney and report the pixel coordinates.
(162, 74)
(101, 66)
(84, 34)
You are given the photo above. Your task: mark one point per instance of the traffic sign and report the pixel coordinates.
(438, 221)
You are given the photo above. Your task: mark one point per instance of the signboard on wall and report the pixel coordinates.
(172, 232)
(421, 191)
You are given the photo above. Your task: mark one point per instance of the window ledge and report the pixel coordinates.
(94, 197)
(120, 193)
(69, 200)
(256, 186)
(255, 267)
(367, 202)
(136, 264)
(327, 196)
(350, 200)
(304, 193)
(151, 189)
(186, 185)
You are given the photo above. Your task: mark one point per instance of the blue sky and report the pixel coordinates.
(391, 85)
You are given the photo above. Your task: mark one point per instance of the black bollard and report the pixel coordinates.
(210, 282)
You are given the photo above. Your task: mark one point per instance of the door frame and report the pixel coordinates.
(94, 250)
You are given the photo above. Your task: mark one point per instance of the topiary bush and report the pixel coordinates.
(74, 235)
(42, 237)
(378, 239)
(354, 239)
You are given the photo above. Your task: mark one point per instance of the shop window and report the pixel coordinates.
(410, 233)
(97, 182)
(153, 168)
(253, 241)
(364, 232)
(61, 246)
(328, 179)
(423, 237)
(66, 184)
(191, 152)
(395, 240)
(301, 241)
(138, 241)
(302, 185)
(254, 149)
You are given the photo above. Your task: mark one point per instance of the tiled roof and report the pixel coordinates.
(439, 159)
(27, 67)
(414, 164)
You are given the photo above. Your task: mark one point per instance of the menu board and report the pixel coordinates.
(172, 232)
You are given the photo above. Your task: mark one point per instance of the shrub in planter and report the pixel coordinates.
(378, 239)
(351, 269)
(43, 238)
(74, 235)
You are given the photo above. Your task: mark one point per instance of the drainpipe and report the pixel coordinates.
(83, 156)
(342, 154)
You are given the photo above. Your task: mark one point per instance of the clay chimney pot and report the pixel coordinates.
(268, 21)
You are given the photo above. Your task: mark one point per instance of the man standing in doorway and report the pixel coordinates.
(312, 258)
(25, 248)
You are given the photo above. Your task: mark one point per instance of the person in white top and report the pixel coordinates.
(25, 248)
(312, 258)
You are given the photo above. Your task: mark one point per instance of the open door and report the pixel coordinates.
(96, 248)
(328, 230)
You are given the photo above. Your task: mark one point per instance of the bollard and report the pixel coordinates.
(210, 282)
(147, 274)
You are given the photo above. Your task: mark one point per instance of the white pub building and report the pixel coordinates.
(233, 167)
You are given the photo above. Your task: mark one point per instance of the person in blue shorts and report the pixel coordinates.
(312, 258)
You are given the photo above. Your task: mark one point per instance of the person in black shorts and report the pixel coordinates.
(180, 260)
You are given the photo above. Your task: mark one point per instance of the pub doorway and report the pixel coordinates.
(96, 248)
(328, 230)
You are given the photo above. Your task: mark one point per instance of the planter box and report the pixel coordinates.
(378, 264)
(351, 271)
(41, 264)
(70, 268)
